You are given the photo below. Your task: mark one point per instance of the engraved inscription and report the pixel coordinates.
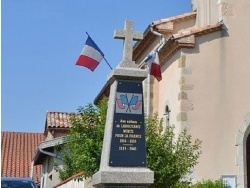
(127, 135)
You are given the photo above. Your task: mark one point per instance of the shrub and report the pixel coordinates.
(210, 184)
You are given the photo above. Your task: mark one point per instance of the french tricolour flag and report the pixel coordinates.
(153, 63)
(90, 56)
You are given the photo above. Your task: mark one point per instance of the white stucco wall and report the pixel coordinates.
(216, 81)
(220, 76)
(169, 90)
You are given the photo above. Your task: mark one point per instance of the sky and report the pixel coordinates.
(41, 41)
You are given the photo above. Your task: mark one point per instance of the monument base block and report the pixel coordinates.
(139, 178)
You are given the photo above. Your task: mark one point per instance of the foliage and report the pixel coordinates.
(181, 184)
(83, 151)
(171, 157)
(210, 184)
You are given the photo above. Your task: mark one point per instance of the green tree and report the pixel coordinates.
(82, 152)
(170, 157)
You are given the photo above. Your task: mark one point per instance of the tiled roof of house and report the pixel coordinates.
(58, 119)
(175, 39)
(18, 150)
(164, 26)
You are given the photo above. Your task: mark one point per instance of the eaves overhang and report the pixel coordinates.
(141, 46)
(185, 39)
(49, 147)
(103, 93)
(164, 27)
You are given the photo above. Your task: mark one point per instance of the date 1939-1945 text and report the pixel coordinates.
(124, 148)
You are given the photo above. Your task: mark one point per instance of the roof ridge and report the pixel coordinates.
(194, 30)
(21, 132)
(184, 16)
(62, 112)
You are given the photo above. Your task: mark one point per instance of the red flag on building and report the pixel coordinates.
(154, 65)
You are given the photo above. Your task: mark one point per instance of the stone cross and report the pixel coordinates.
(128, 35)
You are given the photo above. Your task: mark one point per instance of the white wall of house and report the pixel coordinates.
(50, 176)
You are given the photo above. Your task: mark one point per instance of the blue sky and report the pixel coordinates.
(41, 41)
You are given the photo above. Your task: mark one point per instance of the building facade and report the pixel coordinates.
(205, 84)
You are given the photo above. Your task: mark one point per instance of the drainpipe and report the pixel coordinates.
(164, 38)
(155, 32)
(148, 95)
(50, 154)
(148, 79)
(46, 173)
(31, 169)
(162, 42)
(42, 180)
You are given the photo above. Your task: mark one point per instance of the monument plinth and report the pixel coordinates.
(123, 160)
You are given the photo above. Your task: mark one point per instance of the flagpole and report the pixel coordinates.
(107, 62)
(103, 55)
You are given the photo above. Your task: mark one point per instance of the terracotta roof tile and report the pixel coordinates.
(159, 25)
(58, 119)
(18, 150)
(178, 18)
(198, 31)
